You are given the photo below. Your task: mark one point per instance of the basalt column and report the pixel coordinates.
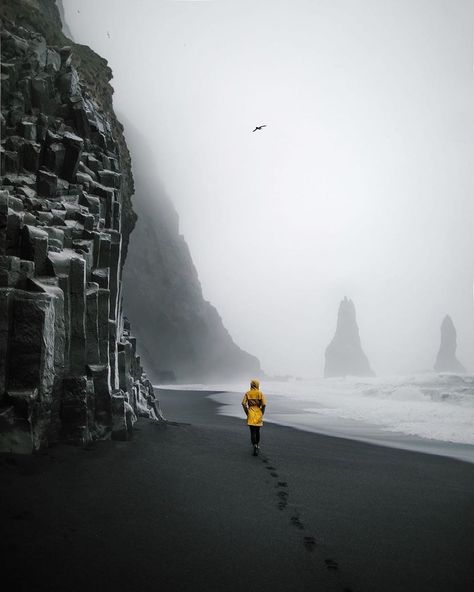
(68, 367)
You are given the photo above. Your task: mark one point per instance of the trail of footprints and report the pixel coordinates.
(309, 542)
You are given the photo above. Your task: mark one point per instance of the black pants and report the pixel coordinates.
(255, 434)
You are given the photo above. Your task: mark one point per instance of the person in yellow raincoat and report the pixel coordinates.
(254, 404)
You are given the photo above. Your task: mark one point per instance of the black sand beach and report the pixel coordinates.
(186, 507)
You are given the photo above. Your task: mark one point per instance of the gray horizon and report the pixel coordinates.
(361, 185)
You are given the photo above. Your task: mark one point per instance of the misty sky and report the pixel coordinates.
(361, 185)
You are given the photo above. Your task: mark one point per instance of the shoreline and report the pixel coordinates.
(350, 429)
(184, 506)
(359, 431)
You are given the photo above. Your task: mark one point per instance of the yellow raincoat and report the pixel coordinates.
(253, 401)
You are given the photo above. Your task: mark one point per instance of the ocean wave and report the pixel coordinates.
(430, 406)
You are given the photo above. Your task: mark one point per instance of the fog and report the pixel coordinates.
(361, 184)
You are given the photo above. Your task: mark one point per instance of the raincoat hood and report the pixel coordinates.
(255, 384)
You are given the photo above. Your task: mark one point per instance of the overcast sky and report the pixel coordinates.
(362, 183)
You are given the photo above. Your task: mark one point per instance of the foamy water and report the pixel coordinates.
(418, 411)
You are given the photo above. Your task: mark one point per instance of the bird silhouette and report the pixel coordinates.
(108, 34)
(259, 127)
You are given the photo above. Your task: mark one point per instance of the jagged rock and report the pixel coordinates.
(28, 129)
(344, 355)
(123, 418)
(30, 364)
(55, 235)
(54, 153)
(75, 410)
(41, 89)
(15, 432)
(63, 346)
(15, 204)
(10, 161)
(7, 297)
(32, 342)
(109, 178)
(73, 146)
(14, 225)
(80, 118)
(47, 183)
(34, 246)
(30, 156)
(66, 56)
(124, 360)
(92, 324)
(77, 291)
(3, 221)
(10, 273)
(103, 399)
(446, 360)
(103, 304)
(49, 286)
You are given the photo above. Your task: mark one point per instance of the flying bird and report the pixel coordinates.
(108, 34)
(259, 127)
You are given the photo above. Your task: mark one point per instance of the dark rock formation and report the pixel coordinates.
(68, 364)
(43, 18)
(181, 335)
(446, 360)
(344, 355)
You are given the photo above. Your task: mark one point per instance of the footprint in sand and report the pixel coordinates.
(283, 500)
(281, 484)
(295, 520)
(274, 474)
(331, 564)
(283, 495)
(309, 543)
(270, 468)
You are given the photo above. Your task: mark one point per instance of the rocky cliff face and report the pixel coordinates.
(446, 360)
(344, 355)
(181, 335)
(68, 363)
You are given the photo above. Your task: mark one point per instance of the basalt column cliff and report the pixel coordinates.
(68, 364)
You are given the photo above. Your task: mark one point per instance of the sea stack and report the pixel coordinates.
(344, 355)
(446, 360)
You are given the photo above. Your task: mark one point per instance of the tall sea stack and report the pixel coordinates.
(446, 360)
(68, 363)
(344, 355)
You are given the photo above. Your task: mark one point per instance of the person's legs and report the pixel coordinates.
(253, 435)
(255, 438)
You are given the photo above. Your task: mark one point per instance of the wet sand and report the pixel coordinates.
(185, 507)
